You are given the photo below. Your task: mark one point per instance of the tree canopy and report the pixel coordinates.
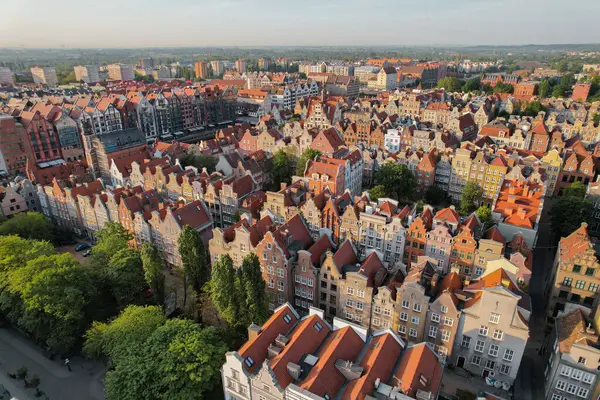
(485, 217)
(111, 239)
(126, 276)
(194, 259)
(30, 225)
(567, 214)
(377, 192)
(451, 84)
(200, 161)
(281, 172)
(309, 154)
(152, 264)
(471, 197)
(397, 180)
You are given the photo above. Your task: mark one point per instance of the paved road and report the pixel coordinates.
(530, 380)
(84, 383)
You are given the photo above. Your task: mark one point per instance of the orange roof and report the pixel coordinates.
(378, 363)
(447, 215)
(574, 244)
(282, 320)
(494, 234)
(572, 328)
(305, 339)
(325, 378)
(419, 369)
(519, 202)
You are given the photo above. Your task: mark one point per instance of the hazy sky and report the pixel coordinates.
(150, 23)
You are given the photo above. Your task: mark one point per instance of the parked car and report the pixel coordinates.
(87, 253)
(82, 246)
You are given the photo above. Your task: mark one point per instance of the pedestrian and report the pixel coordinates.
(68, 364)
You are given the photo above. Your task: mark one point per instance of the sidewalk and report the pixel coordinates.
(83, 383)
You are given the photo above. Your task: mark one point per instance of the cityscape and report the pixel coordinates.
(295, 219)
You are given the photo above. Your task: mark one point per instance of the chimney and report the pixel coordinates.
(253, 331)
(294, 370)
(512, 198)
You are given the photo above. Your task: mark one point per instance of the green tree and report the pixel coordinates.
(544, 88)
(558, 91)
(252, 286)
(377, 192)
(485, 217)
(577, 189)
(200, 161)
(118, 338)
(152, 264)
(533, 108)
(470, 198)
(566, 81)
(309, 154)
(112, 238)
(194, 260)
(501, 87)
(451, 84)
(222, 289)
(281, 169)
(397, 180)
(126, 276)
(31, 225)
(179, 360)
(471, 85)
(436, 196)
(567, 214)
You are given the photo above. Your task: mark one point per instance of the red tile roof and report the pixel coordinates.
(576, 243)
(419, 368)
(318, 249)
(447, 215)
(345, 255)
(378, 363)
(192, 214)
(325, 378)
(276, 325)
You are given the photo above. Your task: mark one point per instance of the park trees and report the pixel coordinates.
(309, 154)
(484, 213)
(281, 172)
(450, 84)
(470, 198)
(194, 260)
(29, 225)
(570, 210)
(112, 238)
(397, 180)
(152, 264)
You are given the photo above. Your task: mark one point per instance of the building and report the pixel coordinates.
(201, 69)
(572, 357)
(6, 76)
(86, 73)
(386, 79)
(15, 148)
(576, 272)
(240, 66)
(494, 327)
(264, 64)
(581, 91)
(146, 62)
(218, 67)
(120, 72)
(44, 75)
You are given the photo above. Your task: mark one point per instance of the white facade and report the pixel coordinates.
(217, 67)
(6, 76)
(392, 141)
(87, 73)
(45, 75)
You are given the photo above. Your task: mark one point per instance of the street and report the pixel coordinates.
(83, 383)
(530, 380)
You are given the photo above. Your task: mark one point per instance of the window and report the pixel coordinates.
(588, 378)
(287, 318)
(577, 374)
(403, 316)
(590, 271)
(582, 360)
(280, 286)
(504, 369)
(270, 270)
(435, 317)
(417, 307)
(377, 310)
(476, 360)
(433, 332)
(387, 312)
(494, 350)
(508, 355)
(489, 364)
(593, 287)
(249, 361)
(309, 282)
(348, 315)
(571, 389)
(483, 330)
(412, 332)
(498, 334)
(445, 335)
(580, 284)
(479, 346)
(581, 392)
(415, 320)
(556, 396)
(359, 305)
(349, 303)
(448, 321)
(576, 268)
(560, 385)
(402, 329)
(318, 327)
(280, 272)
(567, 281)
(351, 291)
(360, 293)
(466, 342)
(405, 304)
(443, 309)
(566, 371)
(494, 318)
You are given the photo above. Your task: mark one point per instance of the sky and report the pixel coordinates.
(166, 23)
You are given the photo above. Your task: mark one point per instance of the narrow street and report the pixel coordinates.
(83, 383)
(530, 380)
